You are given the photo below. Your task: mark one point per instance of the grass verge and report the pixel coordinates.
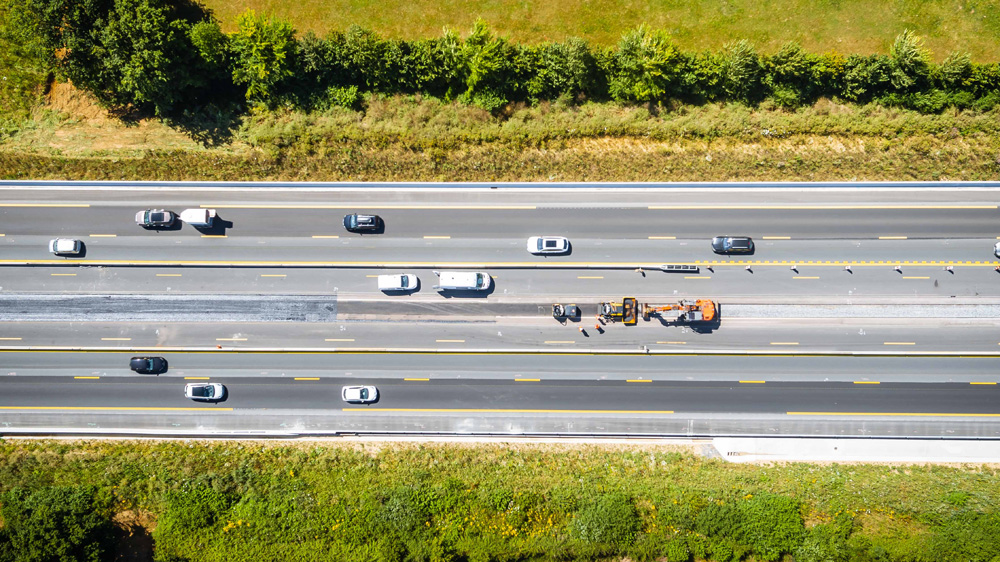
(411, 139)
(845, 26)
(322, 501)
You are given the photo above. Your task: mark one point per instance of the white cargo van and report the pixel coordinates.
(463, 280)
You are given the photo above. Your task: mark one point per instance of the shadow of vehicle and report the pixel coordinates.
(467, 293)
(219, 227)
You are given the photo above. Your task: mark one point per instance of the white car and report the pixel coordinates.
(400, 282)
(209, 391)
(359, 394)
(65, 246)
(996, 249)
(548, 245)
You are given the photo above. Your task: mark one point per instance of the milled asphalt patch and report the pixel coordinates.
(168, 308)
(15, 307)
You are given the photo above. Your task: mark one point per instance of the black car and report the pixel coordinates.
(148, 365)
(732, 245)
(362, 223)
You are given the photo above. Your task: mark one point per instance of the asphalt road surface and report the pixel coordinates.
(278, 271)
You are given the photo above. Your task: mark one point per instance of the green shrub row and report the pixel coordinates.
(251, 502)
(171, 57)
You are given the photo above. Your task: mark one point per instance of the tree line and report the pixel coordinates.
(170, 57)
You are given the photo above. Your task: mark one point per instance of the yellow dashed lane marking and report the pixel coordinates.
(638, 380)
(325, 236)
(273, 275)
(417, 380)
(10, 339)
(989, 383)
(168, 274)
(892, 237)
(214, 236)
(867, 382)
(663, 238)
(913, 277)
(196, 378)
(697, 276)
(90, 378)
(777, 237)
(899, 343)
(752, 382)
(63, 274)
(306, 378)
(527, 380)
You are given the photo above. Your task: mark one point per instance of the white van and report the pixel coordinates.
(463, 280)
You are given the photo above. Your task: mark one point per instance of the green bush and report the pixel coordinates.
(60, 523)
(968, 536)
(610, 520)
(263, 51)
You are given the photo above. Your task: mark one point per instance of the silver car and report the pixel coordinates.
(359, 394)
(548, 245)
(208, 391)
(154, 217)
(65, 246)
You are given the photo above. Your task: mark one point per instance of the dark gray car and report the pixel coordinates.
(148, 365)
(362, 223)
(732, 245)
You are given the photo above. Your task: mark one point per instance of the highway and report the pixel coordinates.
(870, 312)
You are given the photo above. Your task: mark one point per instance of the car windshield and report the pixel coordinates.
(363, 394)
(480, 280)
(404, 280)
(147, 364)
